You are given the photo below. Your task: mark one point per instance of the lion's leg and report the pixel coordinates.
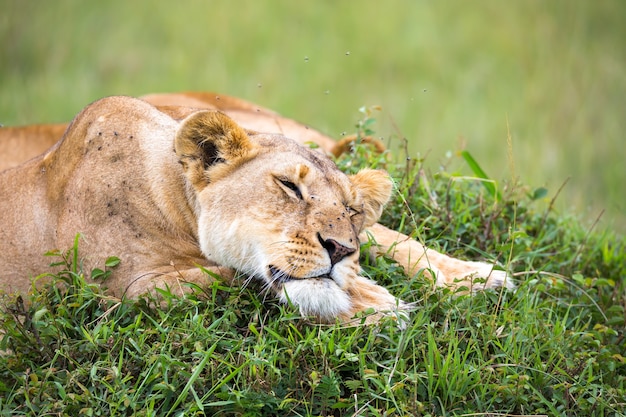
(449, 272)
(176, 280)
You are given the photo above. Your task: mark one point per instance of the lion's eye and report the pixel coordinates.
(293, 187)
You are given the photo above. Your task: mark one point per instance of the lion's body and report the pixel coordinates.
(171, 188)
(110, 206)
(18, 144)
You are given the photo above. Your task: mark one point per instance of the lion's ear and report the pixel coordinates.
(375, 189)
(208, 144)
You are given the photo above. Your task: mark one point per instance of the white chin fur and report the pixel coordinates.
(316, 297)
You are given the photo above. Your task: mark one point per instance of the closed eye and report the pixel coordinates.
(292, 187)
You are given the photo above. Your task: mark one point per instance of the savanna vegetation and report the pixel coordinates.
(536, 92)
(553, 347)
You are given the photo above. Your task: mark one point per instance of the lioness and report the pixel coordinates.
(171, 188)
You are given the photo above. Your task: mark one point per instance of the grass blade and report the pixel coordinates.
(480, 173)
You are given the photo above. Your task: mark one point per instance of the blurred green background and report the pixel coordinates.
(448, 74)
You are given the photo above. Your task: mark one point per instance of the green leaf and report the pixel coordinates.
(478, 172)
(112, 261)
(539, 193)
(341, 404)
(97, 273)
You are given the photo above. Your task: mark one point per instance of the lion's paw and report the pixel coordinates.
(371, 302)
(474, 275)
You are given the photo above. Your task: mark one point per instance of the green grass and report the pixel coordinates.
(449, 75)
(554, 347)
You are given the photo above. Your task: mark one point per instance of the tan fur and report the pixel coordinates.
(172, 187)
(18, 144)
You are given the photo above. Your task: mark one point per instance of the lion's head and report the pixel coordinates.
(278, 211)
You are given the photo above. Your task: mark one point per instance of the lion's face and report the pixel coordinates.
(279, 212)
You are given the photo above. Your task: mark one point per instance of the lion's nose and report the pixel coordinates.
(335, 250)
